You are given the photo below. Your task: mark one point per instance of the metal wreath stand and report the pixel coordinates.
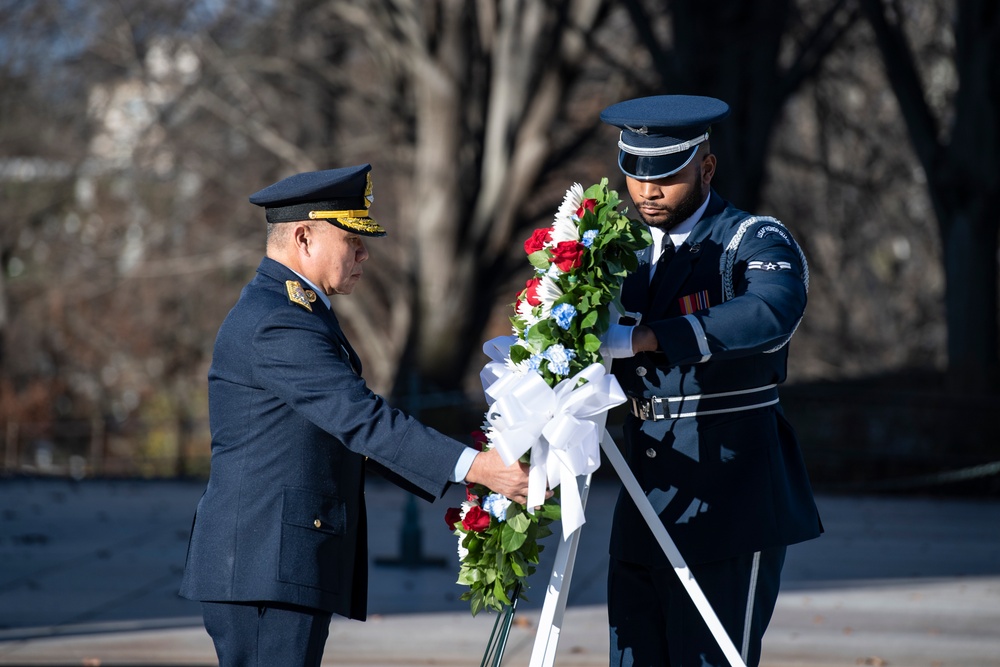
(550, 622)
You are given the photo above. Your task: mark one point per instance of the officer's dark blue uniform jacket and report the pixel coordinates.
(283, 516)
(724, 483)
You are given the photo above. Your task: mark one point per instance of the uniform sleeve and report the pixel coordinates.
(769, 280)
(297, 358)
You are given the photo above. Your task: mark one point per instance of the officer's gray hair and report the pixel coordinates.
(271, 237)
(277, 234)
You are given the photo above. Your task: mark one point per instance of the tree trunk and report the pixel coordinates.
(480, 147)
(442, 282)
(971, 298)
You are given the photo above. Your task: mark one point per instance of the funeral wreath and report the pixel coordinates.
(545, 384)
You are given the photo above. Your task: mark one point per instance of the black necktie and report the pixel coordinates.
(660, 268)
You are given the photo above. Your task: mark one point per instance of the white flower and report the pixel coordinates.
(521, 368)
(565, 226)
(548, 291)
(462, 551)
(525, 311)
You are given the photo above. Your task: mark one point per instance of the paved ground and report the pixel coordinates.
(89, 572)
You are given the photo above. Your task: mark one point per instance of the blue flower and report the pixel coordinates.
(496, 505)
(558, 358)
(564, 314)
(534, 362)
(588, 237)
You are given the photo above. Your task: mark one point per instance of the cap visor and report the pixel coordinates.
(649, 168)
(361, 226)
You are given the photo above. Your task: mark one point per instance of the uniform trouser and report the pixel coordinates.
(653, 622)
(264, 634)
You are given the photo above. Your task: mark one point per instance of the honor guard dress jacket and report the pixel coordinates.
(283, 516)
(707, 439)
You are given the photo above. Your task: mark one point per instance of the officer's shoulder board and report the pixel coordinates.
(299, 295)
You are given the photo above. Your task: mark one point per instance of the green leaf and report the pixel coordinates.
(500, 593)
(550, 510)
(477, 604)
(519, 522)
(511, 540)
(519, 353)
(468, 577)
(543, 531)
(539, 259)
(540, 335)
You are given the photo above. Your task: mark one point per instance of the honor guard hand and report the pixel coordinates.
(616, 343)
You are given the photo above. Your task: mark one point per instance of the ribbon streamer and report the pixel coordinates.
(556, 424)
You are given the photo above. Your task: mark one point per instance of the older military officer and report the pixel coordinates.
(716, 300)
(279, 540)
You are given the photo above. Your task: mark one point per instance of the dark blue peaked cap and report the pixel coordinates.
(660, 135)
(339, 196)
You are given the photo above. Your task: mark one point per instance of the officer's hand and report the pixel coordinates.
(489, 470)
(616, 343)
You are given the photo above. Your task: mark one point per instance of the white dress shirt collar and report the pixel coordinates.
(679, 234)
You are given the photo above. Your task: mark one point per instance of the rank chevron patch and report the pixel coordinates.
(769, 266)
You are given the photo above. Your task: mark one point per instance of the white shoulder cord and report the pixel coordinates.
(729, 260)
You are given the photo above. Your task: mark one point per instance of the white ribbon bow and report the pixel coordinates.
(557, 424)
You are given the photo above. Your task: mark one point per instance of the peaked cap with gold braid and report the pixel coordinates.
(342, 197)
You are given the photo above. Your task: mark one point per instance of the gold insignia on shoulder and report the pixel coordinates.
(298, 295)
(311, 296)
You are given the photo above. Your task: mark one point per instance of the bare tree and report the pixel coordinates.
(129, 150)
(487, 84)
(958, 147)
(842, 173)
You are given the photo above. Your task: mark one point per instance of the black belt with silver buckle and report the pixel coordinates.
(656, 408)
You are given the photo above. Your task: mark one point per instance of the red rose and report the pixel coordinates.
(469, 495)
(479, 440)
(476, 520)
(531, 292)
(452, 516)
(588, 205)
(538, 239)
(568, 255)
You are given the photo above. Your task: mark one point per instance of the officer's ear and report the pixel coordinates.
(708, 164)
(302, 237)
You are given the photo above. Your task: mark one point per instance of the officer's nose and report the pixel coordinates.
(362, 253)
(648, 190)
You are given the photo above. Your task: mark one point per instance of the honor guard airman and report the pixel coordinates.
(713, 306)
